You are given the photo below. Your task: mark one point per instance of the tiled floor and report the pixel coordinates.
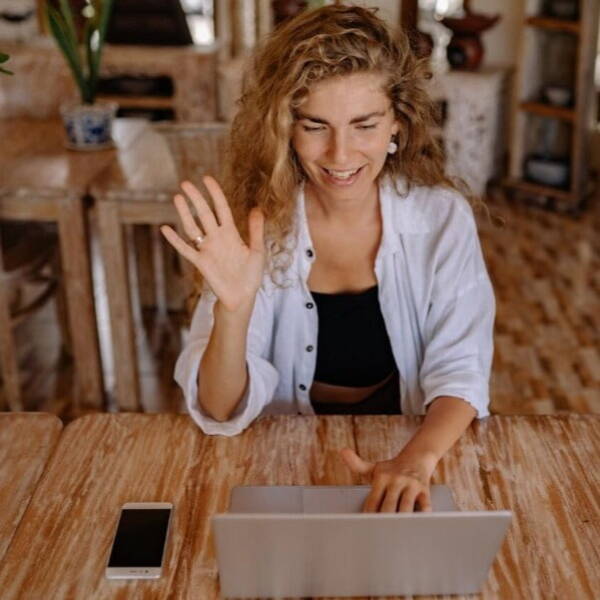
(545, 269)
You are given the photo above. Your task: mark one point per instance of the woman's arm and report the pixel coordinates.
(445, 421)
(404, 481)
(223, 375)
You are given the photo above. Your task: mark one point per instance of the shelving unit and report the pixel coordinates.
(191, 71)
(561, 53)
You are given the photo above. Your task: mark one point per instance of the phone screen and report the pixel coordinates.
(140, 538)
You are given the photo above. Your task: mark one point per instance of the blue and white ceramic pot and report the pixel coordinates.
(88, 126)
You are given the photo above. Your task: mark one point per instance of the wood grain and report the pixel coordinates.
(34, 156)
(26, 443)
(539, 467)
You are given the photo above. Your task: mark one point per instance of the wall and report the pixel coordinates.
(388, 9)
(502, 41)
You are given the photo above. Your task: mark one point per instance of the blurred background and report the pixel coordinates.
(516, 84)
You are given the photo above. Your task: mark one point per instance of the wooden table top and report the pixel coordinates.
(26, 443)
(541, 468)
(34, 157)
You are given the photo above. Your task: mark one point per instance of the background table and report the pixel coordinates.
(43, 181)
(26, 443)
(542, 468)
(138, 190)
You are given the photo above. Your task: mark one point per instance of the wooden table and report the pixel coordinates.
(137, 189)
(26, 443)
(542, 468)
(42, 181)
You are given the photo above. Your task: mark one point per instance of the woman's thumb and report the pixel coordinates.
(355, 462)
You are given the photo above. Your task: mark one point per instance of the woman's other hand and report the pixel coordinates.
(401, 484)
(232, 269)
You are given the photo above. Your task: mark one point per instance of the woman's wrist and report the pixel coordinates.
(423, 462)
(242, 312)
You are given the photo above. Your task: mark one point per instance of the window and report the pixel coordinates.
(200, 19)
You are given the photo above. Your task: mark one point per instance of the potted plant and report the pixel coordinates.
(80, 38)
(3, 59)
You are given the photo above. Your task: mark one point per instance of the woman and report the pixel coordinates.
(356, 282)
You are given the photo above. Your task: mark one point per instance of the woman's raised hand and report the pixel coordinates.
(231, 268)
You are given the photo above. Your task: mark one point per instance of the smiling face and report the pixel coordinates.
(341, 135)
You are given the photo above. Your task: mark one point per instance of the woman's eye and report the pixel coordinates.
(312, 128)
(367, 126)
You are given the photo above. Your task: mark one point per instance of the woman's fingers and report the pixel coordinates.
(187, 219)
(424, 501)
(392, 496)
(356, 463)
(407, 502)
(374, 499)
(203, 210)
(180, 245)
(220, 202)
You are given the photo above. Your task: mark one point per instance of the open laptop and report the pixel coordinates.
(313, 541)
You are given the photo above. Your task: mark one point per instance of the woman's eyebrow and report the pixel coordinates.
(358, 119)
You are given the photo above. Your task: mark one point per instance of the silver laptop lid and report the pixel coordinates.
(286, 547)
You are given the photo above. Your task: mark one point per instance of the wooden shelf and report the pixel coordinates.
(548, 110)
(552, 24)
(139, 101)
(538, 189)
(539, 50)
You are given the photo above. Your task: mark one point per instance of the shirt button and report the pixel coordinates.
(309, 348)
(309, 305)
(309, 253)
(302, 387)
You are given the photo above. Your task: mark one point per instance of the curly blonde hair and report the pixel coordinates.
(262, 169)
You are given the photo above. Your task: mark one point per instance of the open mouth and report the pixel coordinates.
(342, 176)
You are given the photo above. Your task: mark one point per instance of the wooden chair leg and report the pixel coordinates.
(8, 355)
(62, 315)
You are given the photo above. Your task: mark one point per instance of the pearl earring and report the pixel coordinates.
(392, 148)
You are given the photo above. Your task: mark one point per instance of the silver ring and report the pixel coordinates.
(198, 240)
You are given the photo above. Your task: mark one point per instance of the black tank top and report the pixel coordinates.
(353, 347)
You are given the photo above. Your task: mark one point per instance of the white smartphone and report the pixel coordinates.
(138, 547)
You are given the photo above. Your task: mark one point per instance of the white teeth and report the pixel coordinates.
(342, 174)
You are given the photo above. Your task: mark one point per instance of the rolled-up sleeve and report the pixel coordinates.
(459, 325)
(262, 375)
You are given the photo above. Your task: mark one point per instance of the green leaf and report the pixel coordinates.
(59, 29)
(88, 31)
(71, 30)
(105, 11)
(84, 62)
(65, 9)
(3, 59)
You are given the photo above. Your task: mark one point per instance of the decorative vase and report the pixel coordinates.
(88, 126)
(465, 50)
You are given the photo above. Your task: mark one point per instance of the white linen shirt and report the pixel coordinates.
(436, 300)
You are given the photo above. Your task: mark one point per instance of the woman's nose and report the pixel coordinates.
(339, 149)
